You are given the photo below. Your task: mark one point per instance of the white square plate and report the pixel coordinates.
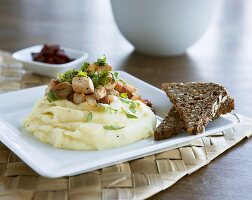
(46, 69)
(51, 162)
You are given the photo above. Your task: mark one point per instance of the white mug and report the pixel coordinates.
(162, 27)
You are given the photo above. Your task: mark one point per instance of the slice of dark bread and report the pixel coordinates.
(171, 125)
(198, 103)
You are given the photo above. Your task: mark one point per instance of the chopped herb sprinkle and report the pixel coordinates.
(113, 127)
(52, 96)
(124, 95)
(102, 61)
(127, 101)
(89, 117)
(131, 115)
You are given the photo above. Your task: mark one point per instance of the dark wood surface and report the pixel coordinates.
(223, 54)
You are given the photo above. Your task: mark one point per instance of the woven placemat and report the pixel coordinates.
(137, 179)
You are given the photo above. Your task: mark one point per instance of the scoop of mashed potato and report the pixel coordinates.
(81, 127)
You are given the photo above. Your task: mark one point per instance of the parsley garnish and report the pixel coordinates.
(52, 96)
(132, 105)
(67, 76)
(84, 67)
(81, 73)
(102, 61)
(131, 115)
(95, 79)
(89, 117)
(123, 110)
(124, 95)
(127, 101)
(111, 110)
(112, 127)
(115, 76)
(103, 77)
(122, 81)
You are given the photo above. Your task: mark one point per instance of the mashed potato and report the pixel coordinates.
(81, 127)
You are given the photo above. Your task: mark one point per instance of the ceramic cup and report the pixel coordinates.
(163, 27)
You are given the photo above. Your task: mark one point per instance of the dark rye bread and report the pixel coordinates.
(198, 103)
(171, 125)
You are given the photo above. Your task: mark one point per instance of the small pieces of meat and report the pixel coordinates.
(147, 102)
(106, 100)
(135, 96)
(91, 100)
(102, 68)
(92, 68)
(83, 85)
(130, 90)
(111, 83)
(63, 90)
(99, 92)
(126, 88)
(79, 98)
(70, 96)
(119, 87)
(54, 83)
(113, 92)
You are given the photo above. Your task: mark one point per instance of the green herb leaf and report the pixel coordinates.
(67, 76)
(52, 96)
(124, 95)
(127, 101)
(89, 117)
(115, 76)
(122, 81)
(131, 115)
(103, 73)
(95, 79)
(102, 61)
(61, 77)
(104, 81)
(132, 105)
(123, 110)
(111, 110)
(81, 73)
(103, 77)
(70, 74)
(113, 127)
(84, 67)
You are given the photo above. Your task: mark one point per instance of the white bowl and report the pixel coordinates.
(162, 27)
(45, 69)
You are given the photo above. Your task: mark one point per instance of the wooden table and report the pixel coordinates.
(223, 54)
